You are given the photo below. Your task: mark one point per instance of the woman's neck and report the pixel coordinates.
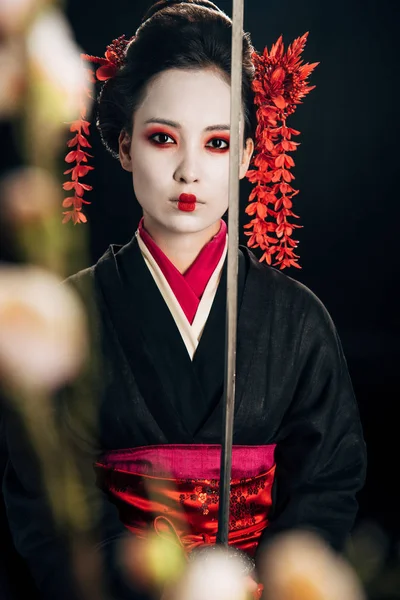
(182, 249)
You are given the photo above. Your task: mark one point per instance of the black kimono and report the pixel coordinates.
(293, 394)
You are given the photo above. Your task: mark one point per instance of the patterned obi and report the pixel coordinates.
(174, 490)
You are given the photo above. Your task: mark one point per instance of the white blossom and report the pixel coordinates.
(42, 329)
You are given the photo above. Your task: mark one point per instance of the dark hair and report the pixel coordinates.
(189, 34)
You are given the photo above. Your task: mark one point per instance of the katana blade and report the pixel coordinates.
(232, 278)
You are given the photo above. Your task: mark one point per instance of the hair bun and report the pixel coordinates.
(161, 4)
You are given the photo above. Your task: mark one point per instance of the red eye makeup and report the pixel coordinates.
(163, 137)
(219, 144)
(160, 136)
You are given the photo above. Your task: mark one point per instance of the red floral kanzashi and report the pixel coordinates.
(114, 59)
(280, 84)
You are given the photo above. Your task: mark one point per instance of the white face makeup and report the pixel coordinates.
(180, 145)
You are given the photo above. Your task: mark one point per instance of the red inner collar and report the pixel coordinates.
(189, 287)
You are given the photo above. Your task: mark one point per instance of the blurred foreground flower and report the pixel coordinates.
(14, 14)
(27, 196)
(57, 81)
(215, 576)
(12, 81)
(368, 550)
(42, 330)
(29, 229)
(301, 566)
(158, 566)
(56, 62)
(151, 563)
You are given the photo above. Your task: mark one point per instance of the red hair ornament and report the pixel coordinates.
(114, 59)
(280, 84)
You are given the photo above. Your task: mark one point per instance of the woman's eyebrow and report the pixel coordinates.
(163, 122)
(218, 128)
(176, 125)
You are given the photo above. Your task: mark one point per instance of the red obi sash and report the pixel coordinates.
(175, 490)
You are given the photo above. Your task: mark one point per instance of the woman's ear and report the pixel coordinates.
(125, 142)
(246, 157)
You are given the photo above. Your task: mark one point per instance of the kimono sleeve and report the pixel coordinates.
(321, 454)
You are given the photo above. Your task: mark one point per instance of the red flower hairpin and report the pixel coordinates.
(280, 84)
(114, 59)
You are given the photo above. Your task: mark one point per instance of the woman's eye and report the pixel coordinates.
(162, 138)
(218, 144)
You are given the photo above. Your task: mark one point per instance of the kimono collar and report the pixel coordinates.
(188, 287)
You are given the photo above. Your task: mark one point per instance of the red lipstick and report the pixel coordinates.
(187, 202)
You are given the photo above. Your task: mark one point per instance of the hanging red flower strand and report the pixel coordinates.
(280, 84)
(79, 156)
(114, 59)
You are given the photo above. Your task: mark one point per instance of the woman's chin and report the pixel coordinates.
(186, 222)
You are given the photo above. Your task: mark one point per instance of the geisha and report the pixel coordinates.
(158, 312)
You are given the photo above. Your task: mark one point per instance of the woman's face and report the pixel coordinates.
(180, 145)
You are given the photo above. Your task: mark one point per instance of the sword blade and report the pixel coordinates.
(232, 278)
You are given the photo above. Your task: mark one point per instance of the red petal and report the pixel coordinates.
(306, 69)
(287, 176)
(71, 157)
(81, 187)
(82, 156)
(253, 176)
(269, 145)
(75, 126)
(278, 75)
(279, 101)
(83, 141)
(294, 263)
(67, 217)
(287, 203)
(261, 210)
(82, 170)
(82, 217)
(73, 141)
(80, 124)
(289, 161)
(251, 209)
(85, 126)
(106, 72)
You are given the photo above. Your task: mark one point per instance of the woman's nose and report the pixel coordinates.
(187, 170)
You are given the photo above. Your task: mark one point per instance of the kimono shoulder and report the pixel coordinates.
(290, 304)
(85, 283)
(83, 280)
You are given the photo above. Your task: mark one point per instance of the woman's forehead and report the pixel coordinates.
(187, 97)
